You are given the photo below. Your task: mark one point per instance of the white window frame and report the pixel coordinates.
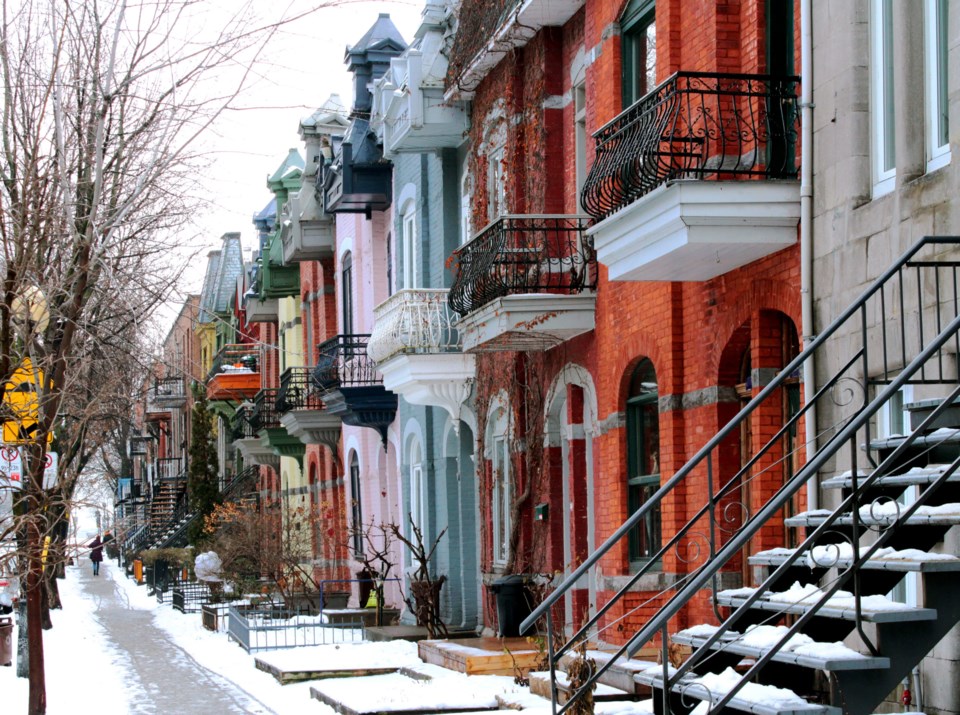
(417, 501)
(496, 180)
(501, 497)
(410, 252)
(938, 155)
(884, 177)
(580, 137)
(465, 203)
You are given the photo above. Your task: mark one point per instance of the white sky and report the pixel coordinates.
(302, 67)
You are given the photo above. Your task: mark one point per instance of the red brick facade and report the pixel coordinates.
(695, 334)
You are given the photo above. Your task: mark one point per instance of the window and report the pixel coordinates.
(580, 138)
(643, 460)
(639, 49)
(465, 209)
(389, 264)
(502, 496)
(882, 98)
(497, 189)
(409, 225)
(306, 317)
(346, 293)
(935, 72)
(356, 508)
(417, 507)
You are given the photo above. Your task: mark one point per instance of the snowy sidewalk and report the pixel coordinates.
(163, 678)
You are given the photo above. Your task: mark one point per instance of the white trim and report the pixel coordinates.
(884, 179)
(938, 155)
(408, 238)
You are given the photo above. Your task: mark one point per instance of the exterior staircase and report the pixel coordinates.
(808, 627)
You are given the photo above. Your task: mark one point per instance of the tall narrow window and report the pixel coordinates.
(389, 264)
(882, 98)
(580, 138)
(935, 71)
(356, 507)
(502, 496)
(416, 485)
(410, 249)
(638, 29)
(643, 461)
(346, 293)
(465, 208)
(497, 190)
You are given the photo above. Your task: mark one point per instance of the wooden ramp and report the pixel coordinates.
(481, 656)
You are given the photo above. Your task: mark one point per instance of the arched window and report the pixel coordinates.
(417, 500)
(410, 253)
(643, 460)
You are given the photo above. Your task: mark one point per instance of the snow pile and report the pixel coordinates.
(737, 592)
(842, 600)
(208, 567)
(704, 630)
(718, 684)
(889, 510)
(800, 593)
(344, 656)
(386, 693)
(766, 637)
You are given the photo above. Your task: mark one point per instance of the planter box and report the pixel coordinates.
(215, 616)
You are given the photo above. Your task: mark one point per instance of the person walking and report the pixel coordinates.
(96, 554)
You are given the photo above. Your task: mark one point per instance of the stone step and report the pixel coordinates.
(882, 611)
(882, 515)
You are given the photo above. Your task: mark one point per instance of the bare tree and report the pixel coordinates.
(103, 105)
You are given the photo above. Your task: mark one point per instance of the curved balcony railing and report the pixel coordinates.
(298, 391)
(232, 358)
(695, 126)
(264, 414)
(517, 255)
(342, 361)
(413, 321)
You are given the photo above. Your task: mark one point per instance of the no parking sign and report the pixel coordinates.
(50, 463)
(11, 468)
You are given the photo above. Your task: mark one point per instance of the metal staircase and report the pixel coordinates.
(778, 613)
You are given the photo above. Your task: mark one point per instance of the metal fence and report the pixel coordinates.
(258, 628)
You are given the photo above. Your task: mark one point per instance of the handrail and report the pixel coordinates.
(903, 358)
(701, 455)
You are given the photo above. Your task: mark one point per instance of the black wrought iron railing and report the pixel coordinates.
(167, 389)
(517, 255)
(342, 361)
(264, 414)
(231, 358)
(695, 126)
(298, 391)
(169, 468)
(243, 485)
(903, 330)
(240, 427)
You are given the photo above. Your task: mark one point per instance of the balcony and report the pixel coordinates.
(245, 438)
(166, 393)
(169, 469)
(302, 412)
(360, 179)
(306, 232)
(417, 350)
(276, 279)
(265, 420)
(235, 374)
(350, 386)
(261, 310)
(409, 101)
(696, 178)
(525, 283)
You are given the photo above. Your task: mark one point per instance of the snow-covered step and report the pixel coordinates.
(801, 650)
(400, 694)
(917, 476)
(801, 598)
(620, 673)
(881, 514)
(841, 556)
(540, 685)
(752, 698)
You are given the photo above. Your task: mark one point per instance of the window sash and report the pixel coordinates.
(935, 61)
(882, 96)
(356, 508)
(501, 497)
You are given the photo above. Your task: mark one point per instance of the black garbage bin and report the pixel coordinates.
(513, 604)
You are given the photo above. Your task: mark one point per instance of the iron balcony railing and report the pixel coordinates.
(240, 427)
(903, 330)
(138, 445)
(169, 468)
(413, 321)
(342, 361)
(695, 126)
(518, 255)
(165, 391)
(298, 391)
(264, 414)
(233, 358)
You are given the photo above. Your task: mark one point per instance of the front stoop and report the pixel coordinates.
(481, 656)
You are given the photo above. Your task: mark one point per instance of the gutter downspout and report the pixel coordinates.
(806, 238)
